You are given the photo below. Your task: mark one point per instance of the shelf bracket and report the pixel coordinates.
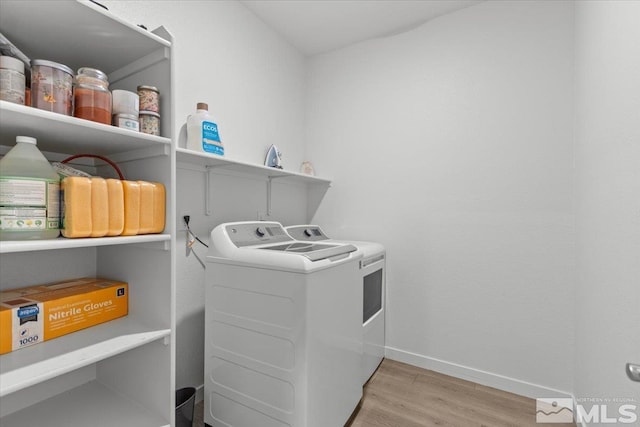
(207, 190)
(269, 182)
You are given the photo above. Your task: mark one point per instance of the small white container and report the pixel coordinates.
(125, 102)
(12, 81)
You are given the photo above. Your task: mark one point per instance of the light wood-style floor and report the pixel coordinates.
(401, 395)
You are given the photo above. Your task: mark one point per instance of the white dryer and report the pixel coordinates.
(283, 343)
(372, 280)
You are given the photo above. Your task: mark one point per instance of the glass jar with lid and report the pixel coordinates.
(149, 98)
(51, 86)
(92, 99)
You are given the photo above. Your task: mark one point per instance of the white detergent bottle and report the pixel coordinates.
(29, 194)
(202, 132)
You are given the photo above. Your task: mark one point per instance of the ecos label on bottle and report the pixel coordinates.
(28, 204)
(211, 138)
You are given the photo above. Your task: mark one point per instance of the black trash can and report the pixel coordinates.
(185, 400)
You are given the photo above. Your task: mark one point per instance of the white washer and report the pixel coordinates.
(373, 279)
(283, 343)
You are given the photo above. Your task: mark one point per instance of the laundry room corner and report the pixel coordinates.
(452, 144)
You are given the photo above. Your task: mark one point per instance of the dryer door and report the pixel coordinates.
(373, 280)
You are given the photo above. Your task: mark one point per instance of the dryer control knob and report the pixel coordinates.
(260, 231)
(308, 232)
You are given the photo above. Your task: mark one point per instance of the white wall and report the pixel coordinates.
(452, 145)
(608, 202)
(253, 82)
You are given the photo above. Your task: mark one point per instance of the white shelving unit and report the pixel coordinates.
(120, 372)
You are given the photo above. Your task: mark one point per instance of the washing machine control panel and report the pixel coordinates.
(307, 233)
(256, 233)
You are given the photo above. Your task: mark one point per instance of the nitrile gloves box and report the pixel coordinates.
(39, 313)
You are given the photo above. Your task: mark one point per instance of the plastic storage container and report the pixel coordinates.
(51, 86)
(125, 102)
(29, 194)
(92, 99)
(127, 121)
(202, 132)
(12, 81)
(149, 98)
(149, 122)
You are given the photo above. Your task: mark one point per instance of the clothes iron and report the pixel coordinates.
(273, 158)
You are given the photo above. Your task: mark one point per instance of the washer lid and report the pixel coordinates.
(314, 233)
(313, 251)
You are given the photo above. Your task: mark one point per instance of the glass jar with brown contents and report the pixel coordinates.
(92, 99)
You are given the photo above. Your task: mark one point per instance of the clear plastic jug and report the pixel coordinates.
(29, 194)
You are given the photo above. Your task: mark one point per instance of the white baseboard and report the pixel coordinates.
(488, 379)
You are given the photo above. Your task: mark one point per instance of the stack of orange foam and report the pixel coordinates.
(98, 207)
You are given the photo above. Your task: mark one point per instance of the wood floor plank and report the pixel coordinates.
(400, 395)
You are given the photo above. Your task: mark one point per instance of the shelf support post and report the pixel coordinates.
(207, 190)
(269, 181)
